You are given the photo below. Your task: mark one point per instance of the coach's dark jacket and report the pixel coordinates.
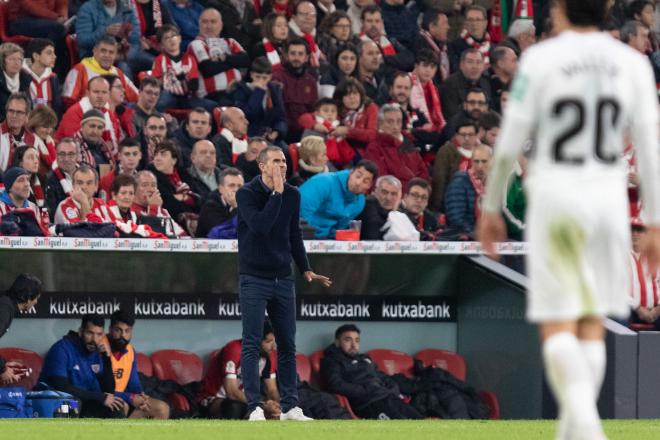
(8, 310)
(356, 377)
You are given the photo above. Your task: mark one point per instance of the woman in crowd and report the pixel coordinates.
(27, 157)
(123, 195)
(117, 104)
(334, 32)
(41, 124)
(358, 114)
(275, 31)
(344, 64)
(312, 160)
(12, 79)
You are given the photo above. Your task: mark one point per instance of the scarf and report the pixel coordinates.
(483, 48)
(86, 152)
(427, 100)
(383, 44)
(8, 144)
(272, 54)
(440, 51)
(330, 125)
(410, 116)
(175, 180)
(238, 146)
(315, 53)
(40, 88)
(466, 159)
(46, 150)
(37, 191)
(13, 83)
(351, 117)
(94, 66)
(64, 182)
(112, 132)
(130, 226)
(478, 186)
(172, 70)
(311, 168)
(639, 283)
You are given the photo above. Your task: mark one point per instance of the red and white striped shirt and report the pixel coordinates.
(644, 285)
(41, 87)
(168, 70)
(68, 211)
(7, 145)
(207, 48)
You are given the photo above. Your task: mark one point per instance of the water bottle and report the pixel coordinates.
(62, 411)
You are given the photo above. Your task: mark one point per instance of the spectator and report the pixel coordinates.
(472, 36)
(344, 64)
(222, 396)
(148, 202)
(325, 8)
(12, 129)
(173, 182)
(81, 205)
(13, 79)
(474, 105)
(378, 207)
(645, 308)
(154, 132)
(120, 201)
(262, 102)
(128, 161)
(433, 35)
(298, 85)
(151, 15)
(392, 152)
(117, 105)
(324, 123)
(455, 11)
(94, 150)
(515, 204)
(17, 192)
(455, 155)
(503, 68)
(196, 127)
(354, 11)
(335, 32)
(125, 369)
(22, 296)
(100, 18)
(369, 72)
(635, 35)
(241, 19)
(98, 97)
(453, 92)
(104, 55)
(45, 87)
(424, 95)
(303, 25)
(489, 128)
(643, 11)
(178, 73)
(27, 158)
(59, 182)
(204, 174)
(41, 125)
(400, 19)
(275, 31)
(38, 19)
(329, 201)
(232, 140)
(371, 393)
(219, 59)
(139, 112)
(359, 115)
(395, 55)
(465, 190)
(522, 34)
(414, 204)
(185, 14)
(219, 209)
(247, 162)
(312, 160)
(79, 364)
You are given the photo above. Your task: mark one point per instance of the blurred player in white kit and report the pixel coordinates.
(575, 96)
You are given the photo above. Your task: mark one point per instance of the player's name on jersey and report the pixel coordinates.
(231, 246)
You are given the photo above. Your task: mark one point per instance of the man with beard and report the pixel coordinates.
(474, 105)
(368, 69)
(94, 150)
(473, 35)
(196, 127)
(395, 55)
(79, 364)
(12, 129)
(125, 370)
(150, 91)
(247, 162)
(153, 133)
(299, 86)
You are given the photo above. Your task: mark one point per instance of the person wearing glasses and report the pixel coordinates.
(415, 204)
(59, 182)
(453, 92)
(12, 79)
(473, 35)
(12, 129)
(472, 107)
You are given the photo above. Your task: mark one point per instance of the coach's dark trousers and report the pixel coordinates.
(278, 297)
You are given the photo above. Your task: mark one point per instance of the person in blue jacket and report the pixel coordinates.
(186, 16)
(329, 201)
(79, 364)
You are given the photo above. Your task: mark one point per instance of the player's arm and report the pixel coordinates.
(232, 389)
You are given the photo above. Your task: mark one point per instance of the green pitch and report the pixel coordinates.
(318, 430)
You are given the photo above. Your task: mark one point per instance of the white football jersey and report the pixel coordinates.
(575, 96)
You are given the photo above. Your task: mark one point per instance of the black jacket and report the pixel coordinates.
(24, 86)
(8, 310)
(454, 91)
(356, 377)
(213, 212)
(54, 194)
(167, 192)
(262, 120)
(185, 143)
(223, 150)
(373, 218)
(198, 186)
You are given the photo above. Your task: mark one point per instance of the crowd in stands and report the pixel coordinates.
(154, 112)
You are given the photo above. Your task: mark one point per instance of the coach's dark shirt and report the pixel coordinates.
(269, 231)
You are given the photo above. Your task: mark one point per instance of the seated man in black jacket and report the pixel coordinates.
(79, 364)
(220, 206)
(371, 393)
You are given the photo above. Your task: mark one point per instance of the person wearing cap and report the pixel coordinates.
(17, 192)
(81, 205)
(644, 302)
(20, 297)
(98, 96)
(94, 149)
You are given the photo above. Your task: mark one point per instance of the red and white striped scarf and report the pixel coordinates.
(271, 53)
(644, 285)
(483, 48)
(199, 48)
(112, 132)
(426, 98)
(479, 188)
(330, 125)
(86, 155)
(315, 53)
(158, 16)
(524, 9)
(171, 70)
(45, 148)
(442, 53)
(383, 44)
(40, 90)
(131, 226)
(37, 191)
(7, 145)
(351, 117)
(238, 146)
(67, 187)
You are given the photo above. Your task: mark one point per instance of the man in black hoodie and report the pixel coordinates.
(371, 393)
(21, 296)
(220, 206)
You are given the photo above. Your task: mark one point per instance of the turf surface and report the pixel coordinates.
(318, 430)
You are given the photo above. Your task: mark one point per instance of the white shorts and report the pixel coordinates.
(579, 238)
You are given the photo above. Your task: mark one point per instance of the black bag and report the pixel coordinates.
(21, 222)
(87, 230)
(319, 405)
(162, 225)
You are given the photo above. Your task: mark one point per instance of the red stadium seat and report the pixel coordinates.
(392, 362)
(641, 327)
(293, 154)
(315, 364)
(214, 358)
(26, 358)
(144, 364)
(180, 114)
(4, 30)
(72, 48)
(178, 365)
(303, 368)
(447, 360)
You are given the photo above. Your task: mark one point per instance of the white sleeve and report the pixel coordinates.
(644, 131)
(517, 127)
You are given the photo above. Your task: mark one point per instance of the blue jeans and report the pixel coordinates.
(168, 100)
(38, 28)
(278, 296)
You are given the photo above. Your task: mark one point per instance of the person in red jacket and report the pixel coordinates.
(82, 206)
(358, 114)
(392, 152)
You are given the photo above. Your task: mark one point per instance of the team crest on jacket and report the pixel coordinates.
(96, 368)
(230, 368)
(70, 212)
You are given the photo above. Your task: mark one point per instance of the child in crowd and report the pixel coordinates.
(45, 86)
(326, 123)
